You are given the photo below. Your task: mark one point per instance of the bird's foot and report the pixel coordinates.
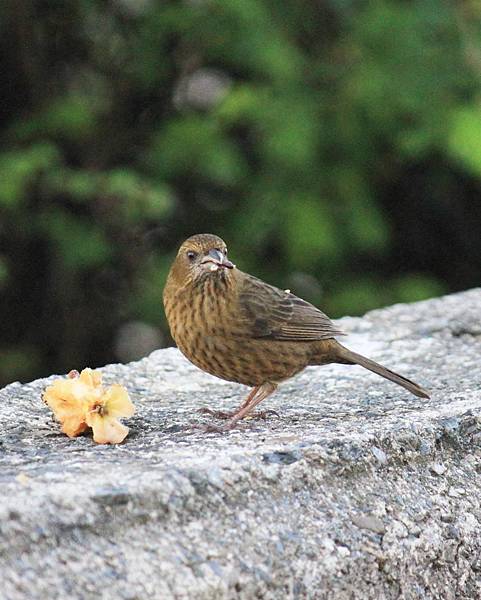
(263, 414)
(220, 414)
(217, 414)
(232, 421)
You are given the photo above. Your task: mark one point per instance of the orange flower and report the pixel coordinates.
(104, 414)
(81, 401)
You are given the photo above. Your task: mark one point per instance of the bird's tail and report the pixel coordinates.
(348, 357)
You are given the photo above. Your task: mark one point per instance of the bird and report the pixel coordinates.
(241, 329)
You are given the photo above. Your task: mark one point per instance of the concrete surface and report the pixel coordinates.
(356, 490)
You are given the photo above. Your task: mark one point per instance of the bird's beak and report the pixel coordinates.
(217, 260)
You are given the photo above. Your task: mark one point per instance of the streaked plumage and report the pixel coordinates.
(237, 327)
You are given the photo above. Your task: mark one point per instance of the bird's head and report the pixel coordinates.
(200, 256)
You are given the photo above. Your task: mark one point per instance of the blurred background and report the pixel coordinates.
(334, 144)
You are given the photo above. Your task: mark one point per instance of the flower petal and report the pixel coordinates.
(74, 425)
(117, 402)
(107, 430)
(68, 408)
(80, 400)
(90, 377)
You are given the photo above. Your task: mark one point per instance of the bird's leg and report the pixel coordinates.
(256, 396)
(253, 399)
(220, 414)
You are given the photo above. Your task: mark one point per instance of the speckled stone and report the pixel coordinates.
(356, 490)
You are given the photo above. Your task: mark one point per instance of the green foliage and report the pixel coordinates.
(330, 143)
(70, 117)
(415, 287)
(196, 146)
(310, 234)
(18, 170)
(464, 138)
(146, 304)
(137, 199)
(368, 292)
(76, 242)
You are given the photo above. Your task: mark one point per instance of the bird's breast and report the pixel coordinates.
(208, 331)
(196, 314)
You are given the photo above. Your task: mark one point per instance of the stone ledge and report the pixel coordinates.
(357, 489)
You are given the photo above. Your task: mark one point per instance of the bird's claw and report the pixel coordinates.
(217, 414)
(263, 414)
(220, 414)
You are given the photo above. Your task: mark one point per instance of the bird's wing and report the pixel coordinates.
(271, 313)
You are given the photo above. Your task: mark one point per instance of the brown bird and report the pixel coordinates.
(242, 329)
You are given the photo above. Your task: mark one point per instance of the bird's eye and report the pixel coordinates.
(225, 251)
(191, 255)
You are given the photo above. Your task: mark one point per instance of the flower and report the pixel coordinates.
(103, 416)
(80, 401)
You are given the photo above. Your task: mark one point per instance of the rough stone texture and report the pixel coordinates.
(356, 490)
